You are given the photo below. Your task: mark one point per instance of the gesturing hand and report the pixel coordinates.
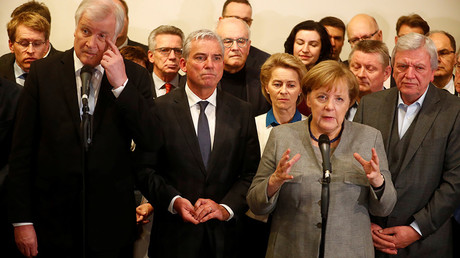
(114, 66)
(371, 168)
(281, 173)
(143, 211)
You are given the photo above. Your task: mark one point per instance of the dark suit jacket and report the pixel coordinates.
(256, 57)
(7, 62)
(428, 183)
(46, 162)
(180, 171)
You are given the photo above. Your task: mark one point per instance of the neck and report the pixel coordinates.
(166, 77)
(202, 92)
(442, 81)
(284, 116)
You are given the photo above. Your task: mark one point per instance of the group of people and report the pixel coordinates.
(225, 158)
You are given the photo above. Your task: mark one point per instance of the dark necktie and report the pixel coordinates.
(24, 76)
(204, 137)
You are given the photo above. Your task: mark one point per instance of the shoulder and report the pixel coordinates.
(359, 130)
(9, 91)
(7, 58)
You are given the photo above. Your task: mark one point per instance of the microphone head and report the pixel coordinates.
(86, 69)
(323, 139)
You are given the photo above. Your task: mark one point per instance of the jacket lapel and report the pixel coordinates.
(103, 99)
(423, 124)
(387, 115)
(184, 121)
(69, 88)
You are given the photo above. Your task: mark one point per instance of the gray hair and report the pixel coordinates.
(163, 29)
(203, 34)
(413, 41)
(370, 47)
(100, 9)
(246, 26)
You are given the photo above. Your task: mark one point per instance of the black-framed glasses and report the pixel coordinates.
(365, 37)
(165, 51)
(35, 44)
(241, 42)
(246, 20)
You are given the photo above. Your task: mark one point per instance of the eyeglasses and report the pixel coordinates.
(165, 51)
(241, 42)
(445, 52)
(35, 44)
(246, 20)
(366, 37)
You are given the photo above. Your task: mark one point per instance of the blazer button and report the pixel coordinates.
(318, 225)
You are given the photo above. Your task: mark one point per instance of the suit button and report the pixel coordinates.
(318, 225)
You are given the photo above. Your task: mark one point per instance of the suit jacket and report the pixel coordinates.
(295, 208)
(7, 62)
(47, 159)
(428, 183)
(179, 170)
(256, 58)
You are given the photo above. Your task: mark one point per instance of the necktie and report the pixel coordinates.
(24, 76)
(168, 87)
(204, 137)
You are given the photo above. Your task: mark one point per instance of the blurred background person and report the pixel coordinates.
(135, 54)
(446, 46)
(336, 30)
(290, 189)
(411, 23)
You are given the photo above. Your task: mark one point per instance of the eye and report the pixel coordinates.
(321, 98)
(402, 67)
(371, 68)
(200, 58)
(420, 68)
(276, 84)
(339, 100)
(299, 42)
(85, 31)
(291, 85)
(217, 58)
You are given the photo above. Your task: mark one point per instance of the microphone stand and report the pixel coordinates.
(327, 170)
(86, 133)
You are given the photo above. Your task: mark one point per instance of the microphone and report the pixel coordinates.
(85, 75)
(325, 148)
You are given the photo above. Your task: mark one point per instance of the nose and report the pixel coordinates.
(332, 42)
(361, 72)
(30, 48)
(306, 48)
(283, 89)
(329, 104)
(172, 54)
(410, 73)
(91, 41)
(208, 63)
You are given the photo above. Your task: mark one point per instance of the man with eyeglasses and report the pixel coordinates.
(28, 34)
(362, 27)
(420, 126)
(445, 45)
(165, 51)
(242, 9)
(240, 79)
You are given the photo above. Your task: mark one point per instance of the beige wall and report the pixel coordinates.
(273, 19)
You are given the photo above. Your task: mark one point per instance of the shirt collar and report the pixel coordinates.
(17, 70)
(193, 99)
(78, 65)
(159, 83)
(418, 102)
(271, 120)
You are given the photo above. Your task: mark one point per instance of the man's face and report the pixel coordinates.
(90, 39)
(240, 11)
(24, 52)
(205, 64)
(370, 72)
(336, 35)
(412, 73)
(166, 64)
(446, 55)
(236, 54)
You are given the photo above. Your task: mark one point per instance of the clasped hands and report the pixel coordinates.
(202, 211)
(389, 240)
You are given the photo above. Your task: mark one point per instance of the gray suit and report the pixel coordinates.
(296, 221)
(428, 181)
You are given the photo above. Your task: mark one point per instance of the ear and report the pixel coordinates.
(307, 101)
(10, 45)
(266, 89)
(150, 56)
(386, 73)
(182, 65)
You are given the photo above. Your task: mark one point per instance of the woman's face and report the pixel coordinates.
(283, 88)
(307, 47)
(328, 108)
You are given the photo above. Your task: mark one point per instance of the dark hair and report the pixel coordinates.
(326, 48)
(246, 2)
(135, 53)
(413, 21)
(333, 22)
(34, 7)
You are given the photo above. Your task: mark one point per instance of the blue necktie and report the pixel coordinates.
(204, 137)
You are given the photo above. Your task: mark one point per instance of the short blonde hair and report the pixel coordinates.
(285, 61)
(31, 20)
(329, 73)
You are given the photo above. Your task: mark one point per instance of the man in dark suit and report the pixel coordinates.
(28, 34)
(420, 125)
(205, 161)
(56, 188)
(446, 46)
(165, 51)
(240, 79)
